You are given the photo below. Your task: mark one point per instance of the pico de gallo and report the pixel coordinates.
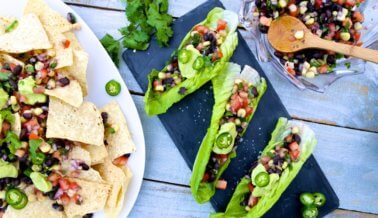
(337, 20)
(233, 124)
(206, 41)
(269, 167)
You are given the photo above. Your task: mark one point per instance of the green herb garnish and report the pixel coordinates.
(146, 19)
(11, 26)
(347, 64)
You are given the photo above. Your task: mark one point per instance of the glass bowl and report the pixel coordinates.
(264, 51)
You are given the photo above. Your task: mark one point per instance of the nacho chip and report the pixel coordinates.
(62, 54)
(97, 153)
(78, 70)
(4, 58)
(34, 209)
(70, 94)
(75, 45)
(83, 124)
(49, 18)
(118, 180)
(90, 175)
(78, 153)
(120, 142)
(28, 35)
(94, 198)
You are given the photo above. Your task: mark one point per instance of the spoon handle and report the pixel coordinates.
(350, 50)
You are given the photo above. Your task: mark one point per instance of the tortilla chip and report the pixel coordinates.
(115, 177)
(16, 127)
(34, 209)
(78, 70)
(97, 153)
(120, 142)
(70, 94)
(49, 18)
(75, 45)
(94, 198)
(78, 153)
(28, 35)
(90, 175)
(62, 55)
(83, 124)
(4, 58)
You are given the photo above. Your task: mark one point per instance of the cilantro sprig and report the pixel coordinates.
(147, 18)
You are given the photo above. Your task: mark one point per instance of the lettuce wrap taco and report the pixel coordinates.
(291, 144)
(236, 98)
(202, 54)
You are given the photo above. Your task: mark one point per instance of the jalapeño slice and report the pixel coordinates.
(113, 87)
(13, 196)
(224, 140)
(199, 63)
(262, 179)
(184, 56)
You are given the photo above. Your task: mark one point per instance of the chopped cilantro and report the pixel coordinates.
(13, 142)
(146, 18)
(347, 64)
(11, 26)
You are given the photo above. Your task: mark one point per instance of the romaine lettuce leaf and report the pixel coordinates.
(158, 103)
(222, 85)
(267, 201)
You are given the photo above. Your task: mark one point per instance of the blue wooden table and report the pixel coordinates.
(345, 120)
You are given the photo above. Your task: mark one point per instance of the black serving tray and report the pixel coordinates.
(187, 121)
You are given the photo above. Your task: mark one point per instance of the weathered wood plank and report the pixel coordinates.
(351, 102)
(164, 200)
(347, 157)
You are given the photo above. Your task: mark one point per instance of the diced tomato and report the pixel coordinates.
(318, 4)
(250, 187)
(201, 29)
(73, 186)
(323, 69)
(219, 54)
(64, 184)
(350, 3)
(294, 146)
(76, 199)
(236, 105)
(33, 136)
(54, 178)
(206, 177)
(249, 111)
(340, 2)
(65, 199)
(294, 154)
(221, 156)
(39, 90)
(252, 201)
(221, 184)
(66, 43)
(222, 25)
(12, 66)
(5, 127)
(156, 83)
(358, 17)
(265, 21)
(290, 70)
(43, 73)
(121, 161)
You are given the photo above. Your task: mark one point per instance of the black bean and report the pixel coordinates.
(104, 116)
(258, 3)
(278, 54)
(42, 57)
(84, 166)
(297, 138)
(299, 57)
(317, 55)
(255, 92)
(7, 67)
(48, 163)
(26, 180)
(33, 60)
(208, 36)
(89, 215)
(16, 181)
(71, 18)
(331, 59)
(239, 129)
(263, 29)
(310, 6)
(23, 134)
(27, 115)
(13, 84)
(58, 207)
(245, 200)
(168, 81)
(17, 70)
(64, 81)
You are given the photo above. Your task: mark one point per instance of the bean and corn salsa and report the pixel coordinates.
(337, 20)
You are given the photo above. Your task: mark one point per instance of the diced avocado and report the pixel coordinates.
(7, 170)
(225, 128)
(25, 87)
(40, 181)
(261, 191)
(258, 169)
(186, 69)
(3, 98)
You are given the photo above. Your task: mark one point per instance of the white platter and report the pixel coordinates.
(100, 70)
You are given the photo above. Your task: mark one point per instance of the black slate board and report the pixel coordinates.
(187, 121)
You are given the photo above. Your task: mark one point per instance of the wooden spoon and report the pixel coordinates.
(281, 36)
